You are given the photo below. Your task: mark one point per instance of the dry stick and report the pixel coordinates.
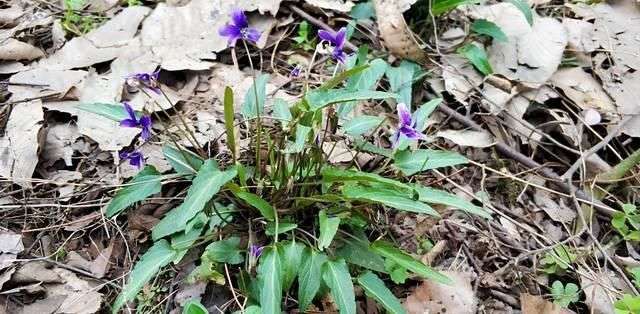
(318, 23)
(605, 141)
(519, 157)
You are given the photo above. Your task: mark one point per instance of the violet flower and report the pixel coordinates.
(239, 29)
(255, 250)
(133, 122)
(336, 40)
(147, 80)
(135, 158)
(406, 126)
(296, 71)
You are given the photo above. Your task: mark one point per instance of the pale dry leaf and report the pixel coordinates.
(9, 16)
(187, 292)
(566, 124)
(36, 271)
(100, 265)
(583, 90)
(13, 50)
(19, 146)
(10, 246)
(335, 5)
(516, 109)
(532, 53)
(39, 82)
(153, 155)
(468, 138)
(598, 290)
(59, 141)
(558, 211)
(533, 304)
(459, 76)
(63, 178)
(510, 228)
(394, 31)
(432, 297)
(338, 152)
(12, 67)
(580, 34)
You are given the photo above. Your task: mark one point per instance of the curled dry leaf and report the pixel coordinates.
(395, 32)
(431, 297)
(12, 49)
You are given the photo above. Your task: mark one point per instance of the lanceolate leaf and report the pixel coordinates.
(183, 161)
(421, 114)
(291, 256)
(282, 227)
(194, 307)
(443, 6)
(333, 174)
(356, 251)
(205, 185)
(391, 198)
(401, 82)
(255, 97)
(336, 275)
(225, 251)
(361, 124)
(302, 132)
(319, 99)
(144, 184)
(412, 162)
(374, 288)
(158, 256)
(309, 277)
(524, 7)
(269, 274)
(434, 196)
(115, 112)
(257, 202)
(489, 28)
(328, 229)
(281, 110)
(229, 113)
(477, 56)
(365, 80)
(405, 260)
(328, 85)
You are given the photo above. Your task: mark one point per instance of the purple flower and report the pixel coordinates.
(336, 40)
(133, 122)
(147, 80)
(255, 250)
(239, 29)
(406, 126)
(296, 71)
(135, 158)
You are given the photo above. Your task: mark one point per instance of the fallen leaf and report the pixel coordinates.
(430, 297)
(38, 83)
(335, 5)
(468, 138)
(10, 246)
(580, 34)
(583, 90)
(19, 146)
(59, 143)
(598, 288)
(337, 152)
(13, 49)
(64, 180)
(533, 304)
(558, 211)
(394, 31)
(459, 76)
(9, 16)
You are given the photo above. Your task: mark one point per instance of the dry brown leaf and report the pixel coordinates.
(533, 304)
(431, 297)
(583, 89)
(12, 49)
(467, 138)
(599, 289)
(395, 32)
(19, 146)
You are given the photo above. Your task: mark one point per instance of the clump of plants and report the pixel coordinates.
(277, 218)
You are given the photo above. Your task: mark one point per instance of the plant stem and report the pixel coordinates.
(258, 120)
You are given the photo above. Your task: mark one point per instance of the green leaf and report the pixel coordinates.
(564, 295)
(328, 229)
(255, 98)
(251, 309)
(523, 6)
(158, 256)
(225, 251)
(115, 112)
(421, 115)
(477, 56)
(340, 77)
(363, 11)
(397, 273)
(318, 99)
(302, 132)
(391, 198)
(374, 288)
(281, 110)
(401, 82)
(194, 307)
(184, 240)
(269, 274)
(146, 183)
(333, 174)
(309, 277)
(206, 272)
(266, 210)
(183, 161)
(434, 196)
(412, 162)
(405, 260)
(205, 185)
(361, 124)
(283, 227)
(356, 251)
(291, 256)
(489, 28)
(336, 276)
(442, 6)
(365, 80)
(368, 147)
(229, 113)
(627, 305)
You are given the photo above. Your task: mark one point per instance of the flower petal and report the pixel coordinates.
(252, 35)
(129, 123)
(341, 38)
(145, 121)
(404, 115)
(326, 36)
(123, 155)
(230, 31)
(411, 133)
(339, 55)
(239, 19)
(130, 111)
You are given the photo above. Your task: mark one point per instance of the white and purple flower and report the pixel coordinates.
(239, 29)
(133, 122)
(146, 80)
(135, 158)
(255, 250)
(336, 40)
(406, 127)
